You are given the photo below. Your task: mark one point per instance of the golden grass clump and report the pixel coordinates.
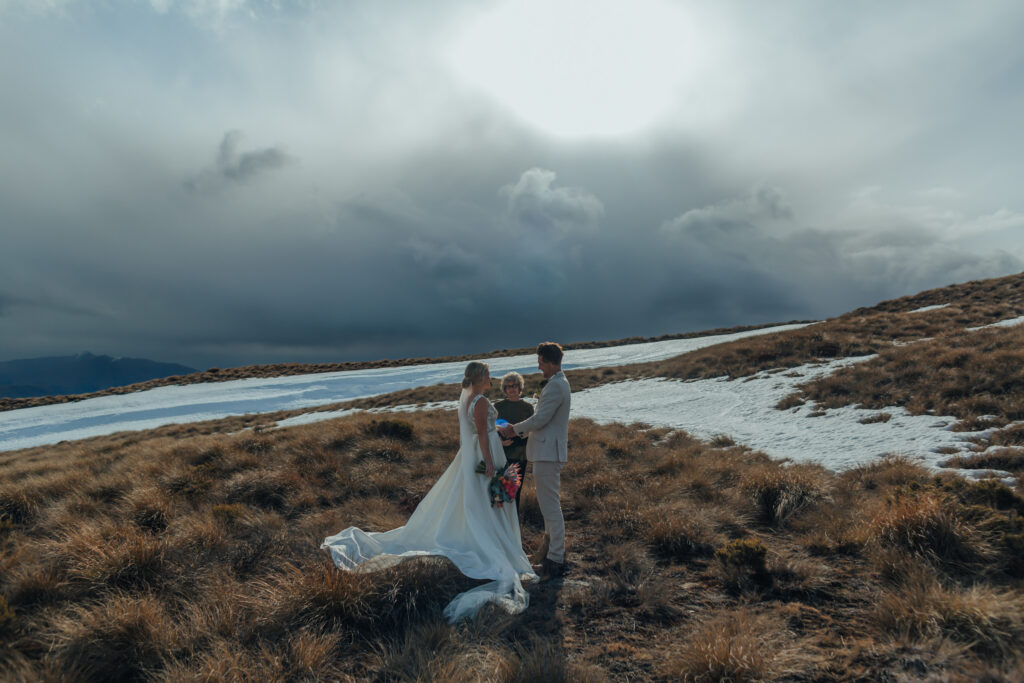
(150, 509)
(124, 638)
(229, 513)
(399, 430)
(928, 524)
(99, 556)
(261, 489)
(432, 651)
(737, 646)
(678, 533)
(837, 527)
(16, 505)
(990, 621)
(36, 584)
(547, 661)
(777, 492)
(319, 596)
(893, 469)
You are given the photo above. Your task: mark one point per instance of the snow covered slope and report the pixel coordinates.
(42, 425)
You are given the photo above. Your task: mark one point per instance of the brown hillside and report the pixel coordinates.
(175, 555)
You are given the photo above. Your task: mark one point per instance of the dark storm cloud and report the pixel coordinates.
(424, 220)
(442, 261)
(43, 302)
(233, 166)
(754, 246)
(240, 166)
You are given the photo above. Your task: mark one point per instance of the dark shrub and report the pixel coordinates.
(391, 429)
(742, 563)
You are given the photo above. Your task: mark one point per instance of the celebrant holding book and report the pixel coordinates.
(514, 409)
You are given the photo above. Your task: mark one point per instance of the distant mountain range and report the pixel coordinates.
(86, 372)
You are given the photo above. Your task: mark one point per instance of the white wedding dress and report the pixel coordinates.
(455, 520)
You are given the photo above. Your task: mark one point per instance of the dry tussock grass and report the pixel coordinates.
(679, 532)
(197, 557)
(892, 470)
(738, 646)
(124, 638)
(989, 621)
(1005, 459)
(837, 527)
(928, 524)
(778, 493)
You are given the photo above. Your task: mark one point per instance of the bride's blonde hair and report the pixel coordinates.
(475, 372)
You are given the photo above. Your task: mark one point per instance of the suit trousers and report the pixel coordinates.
(547, 477)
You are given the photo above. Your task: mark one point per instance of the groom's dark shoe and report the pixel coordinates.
(549, 569)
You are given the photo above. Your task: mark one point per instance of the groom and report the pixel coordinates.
(548, 431)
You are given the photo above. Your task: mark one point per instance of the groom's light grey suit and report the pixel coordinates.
(546, 448)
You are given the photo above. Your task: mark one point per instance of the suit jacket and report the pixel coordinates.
(549, 426)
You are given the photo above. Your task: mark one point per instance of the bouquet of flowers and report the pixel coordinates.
(504, 484)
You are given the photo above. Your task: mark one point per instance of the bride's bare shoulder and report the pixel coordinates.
(480, 405)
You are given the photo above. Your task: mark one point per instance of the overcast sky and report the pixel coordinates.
(226, 182)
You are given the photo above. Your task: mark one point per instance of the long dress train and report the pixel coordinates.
(455, 520)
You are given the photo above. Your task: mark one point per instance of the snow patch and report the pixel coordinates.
(324, 415)
(1009, 322)
(745, 410)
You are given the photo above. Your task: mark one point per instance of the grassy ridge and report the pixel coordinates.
(169, 558)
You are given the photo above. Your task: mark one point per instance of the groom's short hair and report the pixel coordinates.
(550, 352)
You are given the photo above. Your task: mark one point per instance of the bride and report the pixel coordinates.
(456, 519)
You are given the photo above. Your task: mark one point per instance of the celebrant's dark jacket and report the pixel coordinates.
(514, 412)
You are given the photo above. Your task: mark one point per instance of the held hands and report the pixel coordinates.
(507, 431)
